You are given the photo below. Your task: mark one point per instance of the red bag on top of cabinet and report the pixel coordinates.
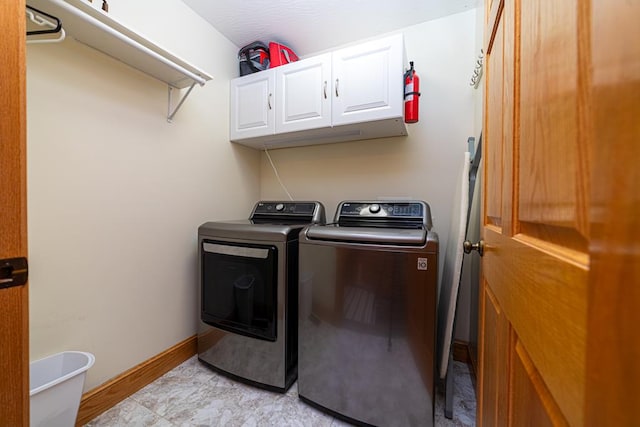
(280, 54)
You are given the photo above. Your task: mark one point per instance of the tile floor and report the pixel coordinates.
(194, 395)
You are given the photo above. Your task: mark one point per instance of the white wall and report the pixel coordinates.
(423, 165)
(115, 193)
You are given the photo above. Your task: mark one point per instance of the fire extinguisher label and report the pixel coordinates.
(408, 92)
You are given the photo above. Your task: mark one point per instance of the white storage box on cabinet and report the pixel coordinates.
(349, 94)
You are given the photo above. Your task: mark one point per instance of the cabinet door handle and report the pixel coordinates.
(269, 101)
(337, 83)
(325, 89)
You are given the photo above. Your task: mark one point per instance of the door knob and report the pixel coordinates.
(468, 247)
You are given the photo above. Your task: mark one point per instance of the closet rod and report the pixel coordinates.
(93, 21)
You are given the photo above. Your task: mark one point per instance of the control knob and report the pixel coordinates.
(279, 207)
(374, 208)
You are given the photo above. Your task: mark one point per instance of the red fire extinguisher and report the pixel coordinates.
(411, 95)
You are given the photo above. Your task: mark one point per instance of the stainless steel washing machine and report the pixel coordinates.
(249, 293)
(367, 313)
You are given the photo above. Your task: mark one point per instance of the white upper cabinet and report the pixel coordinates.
(252, 105)
(349, 94)
(368, 81)
(304, 94)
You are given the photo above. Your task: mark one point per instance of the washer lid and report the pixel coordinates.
(375, 235)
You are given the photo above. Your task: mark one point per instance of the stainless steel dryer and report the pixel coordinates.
(367, 314)
(249, 293)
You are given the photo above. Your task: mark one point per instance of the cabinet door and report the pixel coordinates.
(303, 93)
(252, 105)
(368, 81)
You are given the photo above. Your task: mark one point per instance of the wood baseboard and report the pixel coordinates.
(461, 352)
(107, 395)
(473, 353)
(467, 353)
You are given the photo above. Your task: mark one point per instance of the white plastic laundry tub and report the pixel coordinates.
(56, 384)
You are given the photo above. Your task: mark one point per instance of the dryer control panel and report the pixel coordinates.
(288, 212)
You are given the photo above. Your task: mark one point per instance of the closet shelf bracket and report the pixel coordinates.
(170, 112)
(100, 30)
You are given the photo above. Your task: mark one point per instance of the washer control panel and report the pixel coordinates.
(384, 209)
(390, 214)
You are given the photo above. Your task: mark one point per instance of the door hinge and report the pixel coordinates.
(13, 272)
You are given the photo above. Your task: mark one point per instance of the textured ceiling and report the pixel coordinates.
(311, 26)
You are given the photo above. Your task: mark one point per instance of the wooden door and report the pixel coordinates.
(14, 310)
(304, 94)
(552, 215)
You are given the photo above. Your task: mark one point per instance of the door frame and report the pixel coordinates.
(14, 302)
